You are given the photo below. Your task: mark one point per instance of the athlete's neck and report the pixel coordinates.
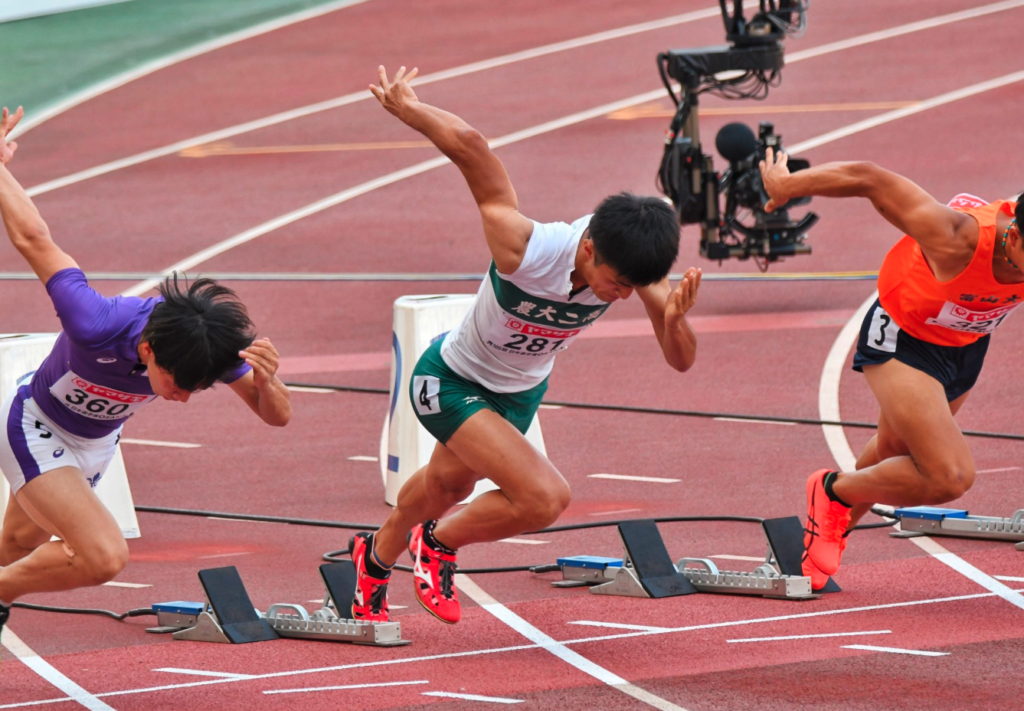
(583, 258)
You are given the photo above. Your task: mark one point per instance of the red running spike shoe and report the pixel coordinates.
(434, 578)
(370, 602)
(809, 569)
(826, 526)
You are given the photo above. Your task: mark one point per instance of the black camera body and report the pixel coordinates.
(744, 69)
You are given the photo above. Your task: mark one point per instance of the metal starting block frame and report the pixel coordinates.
(228, 615)
(935, 521)
(647, 571)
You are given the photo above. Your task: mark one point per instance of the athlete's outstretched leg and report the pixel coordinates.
(93, 550)
(20, 534)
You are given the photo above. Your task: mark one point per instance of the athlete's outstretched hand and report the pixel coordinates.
(264, 359)
(396, 94)
(7, 123)
(774, 171)
(683, 298)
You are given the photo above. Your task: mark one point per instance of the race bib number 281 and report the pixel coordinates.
(958, 318)
(96, 401)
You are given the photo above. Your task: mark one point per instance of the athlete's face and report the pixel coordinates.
(608, 285)
(162, 381)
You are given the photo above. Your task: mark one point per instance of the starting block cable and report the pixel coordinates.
(679, 413)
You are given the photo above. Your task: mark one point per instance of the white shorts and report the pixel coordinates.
(31, 445)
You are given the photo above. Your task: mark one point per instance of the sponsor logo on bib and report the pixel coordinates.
(958, 318)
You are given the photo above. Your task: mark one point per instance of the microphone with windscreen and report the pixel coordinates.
(736, 142)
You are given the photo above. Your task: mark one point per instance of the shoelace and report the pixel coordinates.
(378, 597)
(446, 578)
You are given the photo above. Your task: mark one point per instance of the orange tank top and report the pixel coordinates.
(956, 312)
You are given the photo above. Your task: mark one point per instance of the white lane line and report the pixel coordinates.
(618, 626)
(1008, 578)
(364, 95)
(627, 477)
(612, 513)
(348, 686)
(522, 647)
(199, 672)
(363, 458)
(103, 87)
(810, 53)
(1001, 469)
(160, 443)
(726, 556)
(551, 407)
(308, 389)
(517, 623)
(474, 697)
(932, 547)
(805, 636)
(44, 669)
(524, 541)
(118, 584)
(224, 555)
(894, 650)
(747, 420)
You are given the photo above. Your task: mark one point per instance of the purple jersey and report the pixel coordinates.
(92, 381)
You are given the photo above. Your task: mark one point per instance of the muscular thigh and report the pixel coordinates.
(62, 502)
(22, 529)
(916, 419)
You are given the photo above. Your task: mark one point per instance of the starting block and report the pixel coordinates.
(934, 521)
(648, 571)
(228, 614)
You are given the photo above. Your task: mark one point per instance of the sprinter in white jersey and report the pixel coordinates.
(478, 389)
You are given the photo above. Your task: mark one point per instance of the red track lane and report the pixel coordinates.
(183, 204)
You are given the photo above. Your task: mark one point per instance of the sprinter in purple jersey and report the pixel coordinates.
(58, 432)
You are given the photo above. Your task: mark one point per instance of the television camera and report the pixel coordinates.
(743, 69)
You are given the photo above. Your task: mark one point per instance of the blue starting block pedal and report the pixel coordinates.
(935, 521)
(173, 616)
(647, 571)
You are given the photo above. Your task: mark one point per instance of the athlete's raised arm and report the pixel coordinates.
(25, 226)
(667, 310)
(946, 236)
(506, 231)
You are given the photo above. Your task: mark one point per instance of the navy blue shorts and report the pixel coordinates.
(956, 367)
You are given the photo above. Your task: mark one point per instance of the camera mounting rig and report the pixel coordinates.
(745, 68)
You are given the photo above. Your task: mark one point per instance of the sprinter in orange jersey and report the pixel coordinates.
(943, 289)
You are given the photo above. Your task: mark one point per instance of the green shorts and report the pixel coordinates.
(443, 400)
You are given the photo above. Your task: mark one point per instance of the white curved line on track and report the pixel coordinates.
(156, 65)
(44, 669)
(364, 95)
(346, 195)
(511, 59)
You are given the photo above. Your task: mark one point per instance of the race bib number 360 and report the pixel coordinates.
(96, 401)
(958, 318)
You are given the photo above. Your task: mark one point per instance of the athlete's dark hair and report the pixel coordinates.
(637, 236)
(1019, 212)
(196, 333)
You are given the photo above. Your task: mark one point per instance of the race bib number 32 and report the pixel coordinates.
(96, 401)
(958, 318)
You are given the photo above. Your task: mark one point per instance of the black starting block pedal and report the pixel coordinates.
(228, 615)
(340, 581)
(786, 546)
(648, 570)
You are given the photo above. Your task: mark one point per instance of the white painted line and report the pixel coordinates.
(348, 686)
(1008, 578)
(805, 636)
(308, 389)
(517, 623)
(618, 626)
(149, 67)
(551, 407)
(364, 95)
(747, 420)
(44, 669)
(522, 647)
(159, 443)
(474, 697)
(894, 650)
(627, 477)
(932, 547)
(199, 672)
(726, 556)
(523, 541)
(118, 584)
(1001, 469)
(363, 458)
(224, 555)
(612, 513)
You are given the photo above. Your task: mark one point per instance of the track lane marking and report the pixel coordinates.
(100, 88)
(894, 650)
(48, 672)
(200, 672)
(805, 636)
(474, 697)
(517, 623)
(159, 443)
(618, 626)
(348, 686)
(629, 477)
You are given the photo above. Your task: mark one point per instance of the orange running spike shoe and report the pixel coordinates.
(826, 525)
(370, 602)
(434, 577)
(818, 578)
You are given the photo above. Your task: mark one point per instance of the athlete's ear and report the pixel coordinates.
(145, 351)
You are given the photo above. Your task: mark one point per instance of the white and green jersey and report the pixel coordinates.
(519, 322)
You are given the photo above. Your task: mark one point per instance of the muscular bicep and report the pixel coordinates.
(245, 388)
(907, 206)
(655, 298)
(507, 233)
